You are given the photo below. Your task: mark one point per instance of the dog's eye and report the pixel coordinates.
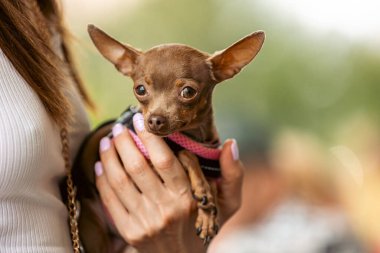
(140, 90)
(188, 92)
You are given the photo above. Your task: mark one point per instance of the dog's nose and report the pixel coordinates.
(157, 123)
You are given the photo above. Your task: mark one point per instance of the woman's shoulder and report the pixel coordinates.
(13, 88)
(19, 104)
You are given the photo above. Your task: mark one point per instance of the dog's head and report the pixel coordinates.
(173, 82)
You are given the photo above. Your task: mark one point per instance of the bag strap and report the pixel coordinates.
(71, 192)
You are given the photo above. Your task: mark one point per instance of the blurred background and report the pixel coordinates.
(305, 112)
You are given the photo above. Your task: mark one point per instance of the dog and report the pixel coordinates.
(173, 84)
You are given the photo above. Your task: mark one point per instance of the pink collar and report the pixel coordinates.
(184, 141)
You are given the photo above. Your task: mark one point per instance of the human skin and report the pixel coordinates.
(155, 215)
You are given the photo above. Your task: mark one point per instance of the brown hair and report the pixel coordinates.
(25, 40)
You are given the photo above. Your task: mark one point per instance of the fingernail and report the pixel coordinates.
(138, 121)
(98, 168)
(234, 150)
(105, 144)
(117, 129)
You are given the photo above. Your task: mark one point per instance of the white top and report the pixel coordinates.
(33, 217)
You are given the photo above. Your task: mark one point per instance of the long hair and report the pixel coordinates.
(25, 40)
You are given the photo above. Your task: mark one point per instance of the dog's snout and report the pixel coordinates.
(157, 123)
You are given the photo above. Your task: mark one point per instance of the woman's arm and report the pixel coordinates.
(151, 214)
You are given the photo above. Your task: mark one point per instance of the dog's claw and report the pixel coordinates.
(216, 229)
(207, 240)
(204, 201)
(199, 230)
(196, 197)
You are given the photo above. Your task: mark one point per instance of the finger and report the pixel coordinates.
(231, 166)
(116, 209)
(230, 183)
(116, 176)
(136, 165)
(162, 158)
(129, 225)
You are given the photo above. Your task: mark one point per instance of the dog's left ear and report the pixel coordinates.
(227, 63)
(121, 55)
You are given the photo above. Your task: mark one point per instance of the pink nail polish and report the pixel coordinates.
(234, 150)
(105, 144)
(98, 168)
(117, 129)
(138, 122)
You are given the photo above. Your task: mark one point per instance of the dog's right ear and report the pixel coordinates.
(122, 56)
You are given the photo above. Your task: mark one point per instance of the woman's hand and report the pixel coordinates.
(151, 214)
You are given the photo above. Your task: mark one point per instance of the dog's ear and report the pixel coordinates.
(122, 56)
(227, 63)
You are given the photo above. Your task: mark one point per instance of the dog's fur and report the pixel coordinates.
(174, 85)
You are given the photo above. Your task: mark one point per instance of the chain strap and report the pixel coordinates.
(42, 25)
(71, 193)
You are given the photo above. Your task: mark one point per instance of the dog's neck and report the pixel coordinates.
(205, 133)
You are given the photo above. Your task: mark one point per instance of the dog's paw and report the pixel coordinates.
(206, 225)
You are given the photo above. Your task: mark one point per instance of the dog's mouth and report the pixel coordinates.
(160, 134)
(168, 131)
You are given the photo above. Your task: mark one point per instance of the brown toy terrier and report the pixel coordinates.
(173, 84)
